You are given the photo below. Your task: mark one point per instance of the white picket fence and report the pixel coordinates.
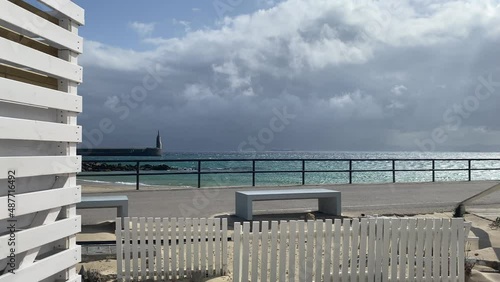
(170, 249)
(375, 249)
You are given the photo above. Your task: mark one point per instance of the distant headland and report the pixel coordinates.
(125, 152)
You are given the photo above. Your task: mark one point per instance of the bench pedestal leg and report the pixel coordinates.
(243, 207)
(122, 212)
(330, 206)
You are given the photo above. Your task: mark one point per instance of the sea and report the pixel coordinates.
(233, 178)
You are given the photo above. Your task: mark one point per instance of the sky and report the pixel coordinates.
(322, 75)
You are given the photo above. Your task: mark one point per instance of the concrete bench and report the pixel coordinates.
(329, 201)
(96, 202)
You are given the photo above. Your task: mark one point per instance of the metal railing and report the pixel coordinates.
(350, 171)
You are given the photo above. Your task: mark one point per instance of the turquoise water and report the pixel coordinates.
(239, 179)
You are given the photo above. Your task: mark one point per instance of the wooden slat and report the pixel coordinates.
(189, 228)
(34, 166)
(379, 228)
(385, 249)
(196, 250)
(403, 247)
(265, 249)
(255, 251)
(302, 251)
(372, 240)
(119, 248)
(346, 234)
(210, 246)
(181, 232)
(135, 249)
(282, 250)
(29, 77)
(126, 247)
(27, 203)
(26, 23)
(453, 249)
(150, 236)
(354, 248)
(46, 267)
(462, 237)
(41, 235)
(337, 235)
(173, 248)
(32, 130)
(291, 250)
(412, 237)
(237, 252)
(203, 245)
(274, 247)
(395, 237)
(436, 249)
(217, 247)
(224, 246)
(310, 251)
(327, 268)
(36, 11)
(26, 41)
(428, 249)
(31, 95)
(419, 253)
(245, 251)
(20, 55)
(68, 9)
(362, 249)
(319, 250)
(158, 236)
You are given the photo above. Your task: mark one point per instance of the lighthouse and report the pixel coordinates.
(158, 141)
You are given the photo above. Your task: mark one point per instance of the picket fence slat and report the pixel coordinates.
(336, 249)
(126, 247)
(246, 250)
(291, 250)
(255, 251)
(318, 250)
(282, 251)
(273, 249)
(354, 248)
(237, 248)
(264, 253)
(302, 251)
(327, 268)
(210, 247)
(346, 233)
(373, 249)
(158, 238)
(217, 246)
(395, 225)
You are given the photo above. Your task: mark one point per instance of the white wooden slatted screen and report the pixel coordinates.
(375, 249)
(39, 75)
(168, 249)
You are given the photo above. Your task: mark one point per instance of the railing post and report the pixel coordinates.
(470, 172)
(253, 173)
(433, 171)
(303, 172)
(137, 174)
(350, 171)
(393, 171)
(199, 174)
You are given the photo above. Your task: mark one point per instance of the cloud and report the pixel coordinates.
(142, 29)
(388, 70)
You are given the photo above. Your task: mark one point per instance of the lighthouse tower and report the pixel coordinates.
(158, 141)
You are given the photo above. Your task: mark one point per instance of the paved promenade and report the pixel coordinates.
(400, 198)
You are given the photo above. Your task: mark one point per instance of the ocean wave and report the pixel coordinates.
(95, 181)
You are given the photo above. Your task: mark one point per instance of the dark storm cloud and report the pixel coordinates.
(357, 75)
